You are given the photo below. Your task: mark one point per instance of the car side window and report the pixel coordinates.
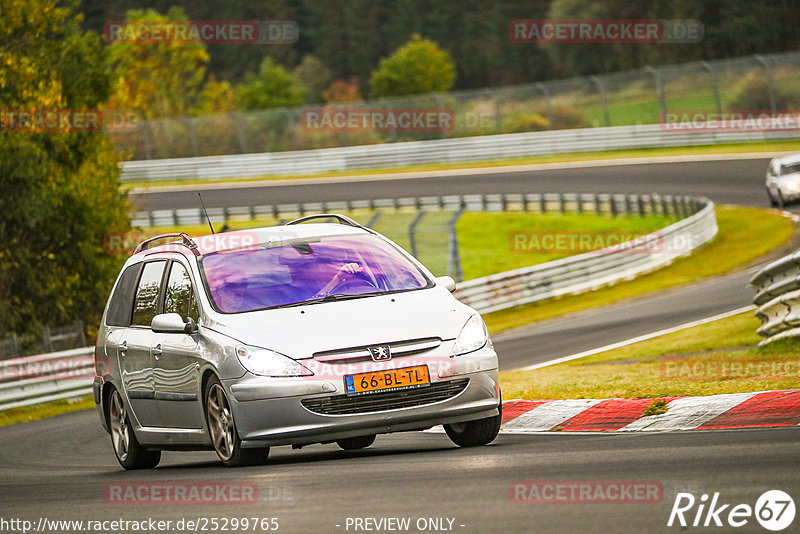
(146, 304)
(179, 297)
(121, 304)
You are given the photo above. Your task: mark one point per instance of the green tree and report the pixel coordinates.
(157, 79)
(61, 193)
(312, 74)
(419, 66)
(272, 87)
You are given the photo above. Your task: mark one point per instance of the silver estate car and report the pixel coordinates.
(303, 333)
(783, 180)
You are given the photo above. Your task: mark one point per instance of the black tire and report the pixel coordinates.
(772, 201)
(475, 433)
(359, 442)
(129, 452)
(222, 429)
(781, 203)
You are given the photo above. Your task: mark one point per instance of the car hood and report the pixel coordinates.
(299, 332)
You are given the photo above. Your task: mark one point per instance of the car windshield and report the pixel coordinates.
(790, 168)
(305, 271)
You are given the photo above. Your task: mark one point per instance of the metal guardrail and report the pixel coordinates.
(68, 374)
(584, 272)
(778, 298)
(462, 149)
(46, 377)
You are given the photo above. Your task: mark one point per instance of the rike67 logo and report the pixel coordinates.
(774, 510)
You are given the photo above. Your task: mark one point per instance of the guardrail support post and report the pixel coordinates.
(374, 219)
(453, 256)
(659, 90)
(541, 87)
(601, 88)
(48, 343)
(714, 85)
(542, 203)
(770, 84)
(562, 206)
(598, 209)
(412, 231)
(579, 200)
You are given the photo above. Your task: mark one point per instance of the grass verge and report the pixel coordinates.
(718, 357)
(483, 236)
(733, 148)
(734, 246)
(48, 409)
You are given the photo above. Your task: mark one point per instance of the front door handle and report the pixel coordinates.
(123, 348)
(157, 351)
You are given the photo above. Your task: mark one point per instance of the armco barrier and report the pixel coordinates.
(46, 377)
(778, 298)
(461, 149)
(584, 272)
(68, 374)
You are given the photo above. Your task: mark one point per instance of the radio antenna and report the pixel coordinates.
(206, 213)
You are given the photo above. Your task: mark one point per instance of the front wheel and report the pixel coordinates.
(130, 453)
(222, 430)
(475, 433)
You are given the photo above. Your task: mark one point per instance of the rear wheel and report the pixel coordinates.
(353, 444)
(475, 433)
(130, 453)
(222, 430)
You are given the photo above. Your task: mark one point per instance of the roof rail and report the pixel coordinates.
(341, 218)
(186, 241)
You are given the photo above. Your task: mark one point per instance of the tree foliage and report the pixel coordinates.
(272, 87)
(157, 79)
(60, 189)
(418, 67)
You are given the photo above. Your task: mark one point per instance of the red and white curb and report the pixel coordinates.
(727, 411)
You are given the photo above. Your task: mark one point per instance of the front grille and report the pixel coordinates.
(388, 400)
(362, 354)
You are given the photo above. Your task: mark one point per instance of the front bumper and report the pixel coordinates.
(271, 412)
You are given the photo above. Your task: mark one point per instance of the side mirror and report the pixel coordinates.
(447, 282)
(171, 323)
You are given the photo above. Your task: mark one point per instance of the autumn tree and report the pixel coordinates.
(417, 67)
(60, 188)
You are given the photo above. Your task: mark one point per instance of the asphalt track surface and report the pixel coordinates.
(58, 468)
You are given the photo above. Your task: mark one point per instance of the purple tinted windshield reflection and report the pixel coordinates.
(246, 280)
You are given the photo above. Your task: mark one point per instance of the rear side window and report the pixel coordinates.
(179, 296)
(146, 305)
(121, 304)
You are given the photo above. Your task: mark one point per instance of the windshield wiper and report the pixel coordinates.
(330, 298)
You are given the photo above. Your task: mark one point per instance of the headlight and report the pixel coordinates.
(793, 185)
(472, 337)
(266, 362)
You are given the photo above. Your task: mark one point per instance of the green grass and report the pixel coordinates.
(483, 237)
(734, 246)
(49, 409)
(718, 357)
(732, 148)
(486, 249)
